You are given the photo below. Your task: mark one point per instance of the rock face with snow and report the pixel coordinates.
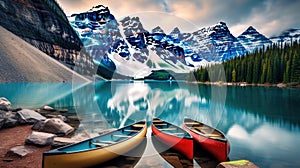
(252, 40)
(214, 43)
(287, 36)
(125, 47)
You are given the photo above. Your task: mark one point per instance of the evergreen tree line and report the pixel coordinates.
(273, 64)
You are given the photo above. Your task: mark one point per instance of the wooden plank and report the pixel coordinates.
(138, 125)
(165, 129)
(99, 144)
(109, 142)
(131, 130)
(123, 136)
(201, 128)
(213, 135)
(161, 124)
(154, 121)
(192, 123)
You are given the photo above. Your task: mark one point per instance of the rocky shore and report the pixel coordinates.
(25, 133)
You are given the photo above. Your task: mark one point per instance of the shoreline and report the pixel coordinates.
(243, 84)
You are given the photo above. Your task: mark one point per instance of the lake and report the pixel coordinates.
(261, 123)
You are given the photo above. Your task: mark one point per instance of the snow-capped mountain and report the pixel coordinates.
(214, 43)
(125, 47)
(251, 39)
(287, 36)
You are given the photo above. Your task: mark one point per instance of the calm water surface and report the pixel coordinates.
(261, 123)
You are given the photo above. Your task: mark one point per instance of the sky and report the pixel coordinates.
(269, 17)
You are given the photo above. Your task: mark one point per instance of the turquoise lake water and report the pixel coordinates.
(261, 123)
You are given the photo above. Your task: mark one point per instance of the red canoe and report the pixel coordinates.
(174, 137)
(211, 139)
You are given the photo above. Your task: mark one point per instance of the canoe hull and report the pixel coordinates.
(218, 148)
(183, 145)
(92, 157)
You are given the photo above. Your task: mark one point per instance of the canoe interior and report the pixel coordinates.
(170, 129)
(102, 141)
(204, 129)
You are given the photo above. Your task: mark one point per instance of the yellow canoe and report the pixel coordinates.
(97, 150)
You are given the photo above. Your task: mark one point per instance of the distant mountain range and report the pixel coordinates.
(125, 48)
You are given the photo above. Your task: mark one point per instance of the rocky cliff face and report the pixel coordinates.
(43, 24)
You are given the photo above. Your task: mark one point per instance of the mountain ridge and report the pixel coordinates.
(180, 50)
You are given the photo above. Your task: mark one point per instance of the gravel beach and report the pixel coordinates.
(11, 137)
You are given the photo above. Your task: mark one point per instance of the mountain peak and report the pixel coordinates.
(220, 26)
(250, 30)
(222, 23)
(251, 39)
(158, 30)
(175, 31)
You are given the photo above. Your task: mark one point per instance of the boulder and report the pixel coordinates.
(19, 151)
(4, 104)
(60, 141)
(2, 121)
(7, 114)
(7, 119)
(2, 113)
(53, 125)
(74, 118)
(40, 139)
(26, 116)
(63, 118)
(48, 108)
(10, 122)
(237, 164)
(16, 109)
(63, 110)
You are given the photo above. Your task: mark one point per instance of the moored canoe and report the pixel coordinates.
(209, 138)
(97, 150)
(173, 136)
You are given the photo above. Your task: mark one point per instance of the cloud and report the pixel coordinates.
(270, 17)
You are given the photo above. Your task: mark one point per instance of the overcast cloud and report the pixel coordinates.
(270, 17)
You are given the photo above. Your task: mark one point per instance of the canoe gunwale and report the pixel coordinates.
(204, 135)
(186, 135)
(58, 152)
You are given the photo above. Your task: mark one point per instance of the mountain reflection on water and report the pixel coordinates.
(125, 103)
(261, 123)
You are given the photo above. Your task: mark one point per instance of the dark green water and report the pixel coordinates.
(261, 123)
